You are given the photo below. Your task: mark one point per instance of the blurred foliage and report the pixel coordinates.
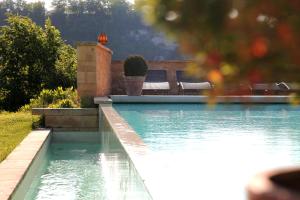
(56, 98)
(245, 41)
(31, 59)
(83, 20)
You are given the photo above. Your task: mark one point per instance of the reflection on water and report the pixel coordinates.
(205, 153)
(87, 171)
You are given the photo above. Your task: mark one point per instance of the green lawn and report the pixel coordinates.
(14, 127)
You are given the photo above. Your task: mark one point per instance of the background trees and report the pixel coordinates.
(83, 20)
(32, 58)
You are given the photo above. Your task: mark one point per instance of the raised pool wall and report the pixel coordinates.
(114, 131)
(69, 119)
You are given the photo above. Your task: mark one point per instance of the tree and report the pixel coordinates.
(20, 47)
(36, 11)
(233, 40)
(83, 20)
(31, 58)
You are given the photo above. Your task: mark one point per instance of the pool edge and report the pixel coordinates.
(14, 168)
(137, 151)
(264, 99)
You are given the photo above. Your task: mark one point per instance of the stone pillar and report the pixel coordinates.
(93, 70)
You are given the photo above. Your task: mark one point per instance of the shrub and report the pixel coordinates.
(63, 103)
(58, 98)
(135, 66)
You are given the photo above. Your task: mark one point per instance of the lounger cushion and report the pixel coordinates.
(263, 86)
(195, 86)
(156, 86)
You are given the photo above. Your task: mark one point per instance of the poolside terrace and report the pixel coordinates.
(98, 75)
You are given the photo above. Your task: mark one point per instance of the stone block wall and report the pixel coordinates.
(171, 66)
(69, 119)
(103, 72)
(93, 70)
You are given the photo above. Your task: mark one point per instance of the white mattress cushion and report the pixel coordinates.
(156, 86)
(195, 86)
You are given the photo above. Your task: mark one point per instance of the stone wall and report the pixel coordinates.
(118, 86)
(69, 119)
(98, 76)
(93, 71)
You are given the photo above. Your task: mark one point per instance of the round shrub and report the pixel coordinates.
(135, 66)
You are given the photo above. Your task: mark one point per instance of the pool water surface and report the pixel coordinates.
(84, 171)
(203, 152)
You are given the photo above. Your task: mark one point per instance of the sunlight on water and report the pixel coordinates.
(199, 153)
(83, 171)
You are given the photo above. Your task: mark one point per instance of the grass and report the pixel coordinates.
(14, 127)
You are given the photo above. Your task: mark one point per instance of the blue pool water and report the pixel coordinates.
(211, 153)
(84, 171)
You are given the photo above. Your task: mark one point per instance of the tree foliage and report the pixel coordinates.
(36, 11)
(32, 58)
(248, 40)
(83, 20)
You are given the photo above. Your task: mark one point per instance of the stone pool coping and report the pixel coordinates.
(137, 151)
(15, 166)
(192, 99)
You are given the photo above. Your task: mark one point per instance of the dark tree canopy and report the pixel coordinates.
(83, 20)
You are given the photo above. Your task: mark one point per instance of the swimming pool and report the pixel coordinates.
(211, 153)
(80, 165)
